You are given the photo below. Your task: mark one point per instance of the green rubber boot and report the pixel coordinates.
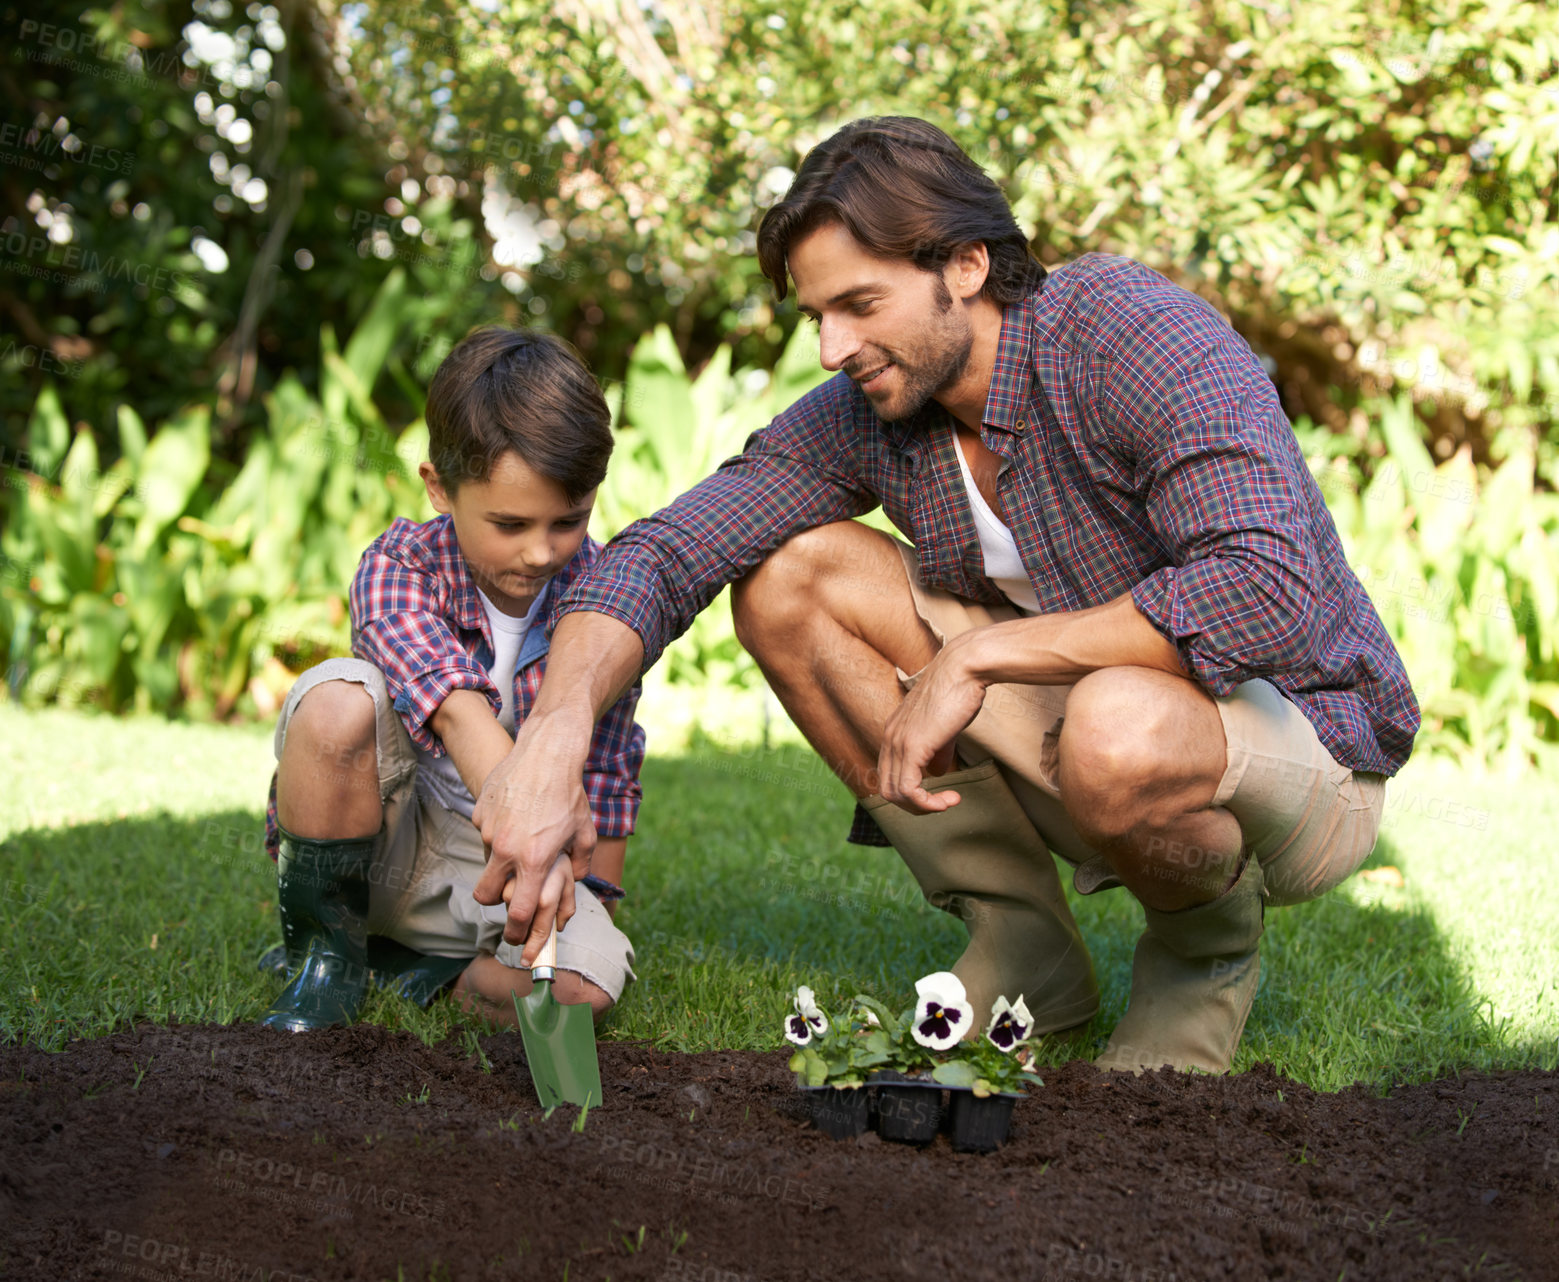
(418, 977)
(983, 861)
(322, 890)
(1193, 981)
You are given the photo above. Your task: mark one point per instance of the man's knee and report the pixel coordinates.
(1123, 743)
(794, 580)
(1113, 734)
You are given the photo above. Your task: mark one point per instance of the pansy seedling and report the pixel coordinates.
(1000, 1061)
(874, 1014)
(1010, 1024)
(942, 1012)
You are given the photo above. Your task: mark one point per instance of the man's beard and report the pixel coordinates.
(934, 365)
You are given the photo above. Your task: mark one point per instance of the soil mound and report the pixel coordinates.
(237, 1152)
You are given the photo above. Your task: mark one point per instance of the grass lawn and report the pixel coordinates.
(133, 887)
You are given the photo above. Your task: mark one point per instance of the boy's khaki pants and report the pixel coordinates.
(427, 860)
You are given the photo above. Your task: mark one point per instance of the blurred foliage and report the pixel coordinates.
(149, 585)
(1366, 188)
(673, 431)
(145, 585)
(185, 198)
(1462, 563)
(195, 197)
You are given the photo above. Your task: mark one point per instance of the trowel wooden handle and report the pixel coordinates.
(547, 959)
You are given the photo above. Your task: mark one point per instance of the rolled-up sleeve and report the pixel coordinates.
(793, 475)
(399, 627)
(611, 776)
(1226, 492)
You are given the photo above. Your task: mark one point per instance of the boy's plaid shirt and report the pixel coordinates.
(417, 618)
(1144, 451)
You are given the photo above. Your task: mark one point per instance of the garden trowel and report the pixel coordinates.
(559, 1039)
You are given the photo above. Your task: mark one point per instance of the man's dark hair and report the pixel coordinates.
(903, 189)
(522, 390)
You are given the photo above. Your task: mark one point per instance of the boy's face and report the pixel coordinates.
(516, 529)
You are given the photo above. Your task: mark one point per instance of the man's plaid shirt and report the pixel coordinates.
(1144, 451)
(417, 618)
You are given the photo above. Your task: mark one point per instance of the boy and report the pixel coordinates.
(380, 756)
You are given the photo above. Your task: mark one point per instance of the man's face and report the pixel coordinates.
(516, 529)
(890, 326)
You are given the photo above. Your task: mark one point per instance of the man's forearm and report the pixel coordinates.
(594, 659)
(532, 810)
(1059, 649)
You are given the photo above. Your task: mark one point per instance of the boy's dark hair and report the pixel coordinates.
(905, 190)
(522, 390)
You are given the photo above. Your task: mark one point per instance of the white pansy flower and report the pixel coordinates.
(1010, 1024)
(942, 1010)
(808, 1021)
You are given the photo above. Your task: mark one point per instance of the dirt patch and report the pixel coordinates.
(236, 1152)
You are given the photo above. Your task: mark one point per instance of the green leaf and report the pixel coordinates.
(171, 470)
(371, 341)
(956, 1072)
(659, 396)
(1404, 440)
(891, 1026)
(132, 435)
(1502, 513)
(48, 433)
(79, 477)
(97, 634)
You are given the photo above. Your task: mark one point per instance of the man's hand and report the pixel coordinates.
(535, 822)
(532, 809)
(1043, 649)
(919, 737)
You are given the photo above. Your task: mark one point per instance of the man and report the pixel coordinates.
(1125, 631)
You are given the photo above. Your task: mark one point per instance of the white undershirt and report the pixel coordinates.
(437, 777)
(1003, 565)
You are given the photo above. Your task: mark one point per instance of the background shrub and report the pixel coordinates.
(198, 201)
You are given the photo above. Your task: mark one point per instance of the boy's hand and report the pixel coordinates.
(535, 822)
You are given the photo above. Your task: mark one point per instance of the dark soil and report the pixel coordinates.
(236, 1152)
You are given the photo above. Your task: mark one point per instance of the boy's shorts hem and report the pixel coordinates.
(588, 945)
(427, 859)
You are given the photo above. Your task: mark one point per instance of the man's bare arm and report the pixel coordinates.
(532, 809)
(1047, 649)
(1059, 649)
